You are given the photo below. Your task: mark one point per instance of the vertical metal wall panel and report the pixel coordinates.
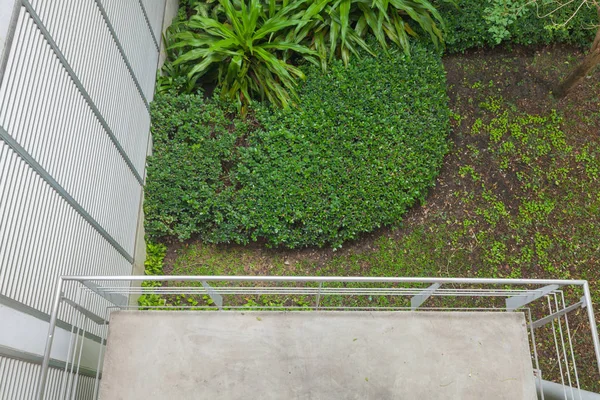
(16, 378)
(56, 243)
(74, 134)
(83, 37)
(155, 9)
(56, 127)
(135, 36)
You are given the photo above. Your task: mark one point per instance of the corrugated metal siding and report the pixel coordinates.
(57, 128)
(155, 11)
(43, 237)
(16, 377)
(135, 36)
(81, 33)
(74, 132)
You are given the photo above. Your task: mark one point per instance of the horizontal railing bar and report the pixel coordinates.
(265, 278)
(314, 292)
(543, 321)
(128, 288)
(38, 360)
(474, 290)
(311, 289)
(310, 308)
(88, 314)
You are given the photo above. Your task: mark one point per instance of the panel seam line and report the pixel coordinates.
(149, 25)
(26, 157)
(81, 89)
(122, 51)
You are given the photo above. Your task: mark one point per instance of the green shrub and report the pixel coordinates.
(194, 147)
(482, 23)
(364, 145)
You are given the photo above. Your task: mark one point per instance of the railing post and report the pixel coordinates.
(51, 329)
(417, 300)
(512, 303)
(216, 297)
(318, 301)
(593, 326)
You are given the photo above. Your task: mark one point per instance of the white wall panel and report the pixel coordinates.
(82, 35)
(155, 10)
(42, 237)
(135, 35)
(43, 111)
(74, 131)
(16, 377)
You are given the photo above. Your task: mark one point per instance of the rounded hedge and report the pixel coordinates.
(364, 144)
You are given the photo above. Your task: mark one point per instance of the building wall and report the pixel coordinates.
(76, 80)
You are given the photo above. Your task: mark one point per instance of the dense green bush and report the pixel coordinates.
(194, 142)
(364, 145)
(481, 23)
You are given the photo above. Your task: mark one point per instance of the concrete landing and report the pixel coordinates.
(317, 355)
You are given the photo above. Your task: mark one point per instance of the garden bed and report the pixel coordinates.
(511, 200)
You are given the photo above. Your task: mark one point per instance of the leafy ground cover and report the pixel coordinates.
(487, 23)
(518, 195)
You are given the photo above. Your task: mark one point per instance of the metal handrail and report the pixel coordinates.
(553, 285)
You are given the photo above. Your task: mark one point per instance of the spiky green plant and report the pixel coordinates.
(338, 27)
(247, 47)
(172, 76)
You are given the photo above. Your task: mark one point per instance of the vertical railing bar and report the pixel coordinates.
(571, 347)
(318, 301)
(79, 323)
(535, 353)
(562, 377)
(101, 350)
(562, 341)
(51, 330)
(76, 381)
(592, 320)
(69, 355)
(541, 380)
